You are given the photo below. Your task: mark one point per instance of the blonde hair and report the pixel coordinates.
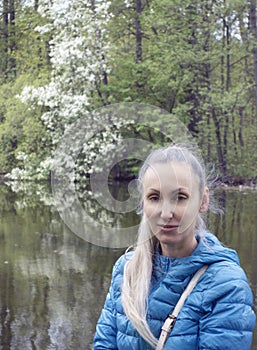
(138, 270)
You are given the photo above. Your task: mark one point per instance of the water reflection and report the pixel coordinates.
(104, 220)
(53, 283)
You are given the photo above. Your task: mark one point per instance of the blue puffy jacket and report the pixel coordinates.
(217, 315)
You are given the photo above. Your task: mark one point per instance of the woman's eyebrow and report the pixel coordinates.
(177, 190)
(182, 189)
(153, 189)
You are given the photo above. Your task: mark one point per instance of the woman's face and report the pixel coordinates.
(171, 203)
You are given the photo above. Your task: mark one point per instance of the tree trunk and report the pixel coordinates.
(139, 54)
(221, 160)
(228, 80)
(8, 64)
(139, 83)
(12, 41)
(253, 30)
(4, 59)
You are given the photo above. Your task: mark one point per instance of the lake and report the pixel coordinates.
(54, 281)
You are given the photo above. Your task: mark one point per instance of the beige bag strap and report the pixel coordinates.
(171, 319)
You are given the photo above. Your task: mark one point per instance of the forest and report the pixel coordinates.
(62, 59)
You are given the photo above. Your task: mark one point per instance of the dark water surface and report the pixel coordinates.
(53, 283)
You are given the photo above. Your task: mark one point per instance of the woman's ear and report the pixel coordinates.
(205, 200)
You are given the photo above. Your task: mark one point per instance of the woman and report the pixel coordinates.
(172, 245)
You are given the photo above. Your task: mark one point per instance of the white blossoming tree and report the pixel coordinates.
(79, 53)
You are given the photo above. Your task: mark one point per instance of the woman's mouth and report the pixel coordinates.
(168, 228)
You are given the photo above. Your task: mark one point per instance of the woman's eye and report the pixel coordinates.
(153, 198)
(182, 196)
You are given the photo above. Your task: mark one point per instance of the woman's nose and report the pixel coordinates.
(167, 210)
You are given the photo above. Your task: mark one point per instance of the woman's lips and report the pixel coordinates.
(168, 228)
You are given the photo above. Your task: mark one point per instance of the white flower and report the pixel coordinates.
(79, 52)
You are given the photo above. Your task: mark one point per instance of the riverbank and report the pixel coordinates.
(237, 183)
(227, 183)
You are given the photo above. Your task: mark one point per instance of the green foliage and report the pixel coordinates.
(10, 131)
(21, 128)
(193, 59)
(32, 48)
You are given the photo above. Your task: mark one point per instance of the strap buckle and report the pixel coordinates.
(169, 323)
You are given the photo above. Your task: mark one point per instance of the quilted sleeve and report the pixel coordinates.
(229, 318)
(106, 328)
